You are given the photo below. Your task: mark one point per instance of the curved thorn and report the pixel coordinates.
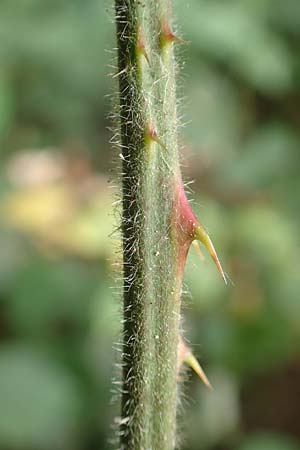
(203, 237)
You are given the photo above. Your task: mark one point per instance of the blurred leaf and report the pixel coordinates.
(216, 413)
(227, 32)
(267, 235)
(216, 116)
(247, 347)
(265, 158)
(269, 441)
(6, 105)
(286, 295)
(39, 401)
(52, 214)
(286, 15)
(46, 297)
(56, 65)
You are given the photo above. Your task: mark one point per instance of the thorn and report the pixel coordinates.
(167, 35)
(203, 237)
(198, 250)
(186, 356)
(141, 46)
(191, 361)
(151, 135)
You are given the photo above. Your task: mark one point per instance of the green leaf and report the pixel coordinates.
(39, 405)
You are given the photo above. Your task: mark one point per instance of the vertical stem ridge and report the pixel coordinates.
(152, 279)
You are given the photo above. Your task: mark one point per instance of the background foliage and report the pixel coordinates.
(59, 312)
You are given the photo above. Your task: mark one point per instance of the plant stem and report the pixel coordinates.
(151, 250)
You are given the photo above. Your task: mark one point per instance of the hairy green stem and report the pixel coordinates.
(151, 250)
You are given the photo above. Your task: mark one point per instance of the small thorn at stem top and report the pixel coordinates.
(168, 37)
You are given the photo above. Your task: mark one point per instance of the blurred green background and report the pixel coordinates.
(60, 297)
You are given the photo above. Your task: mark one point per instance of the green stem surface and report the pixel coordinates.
(152, 274)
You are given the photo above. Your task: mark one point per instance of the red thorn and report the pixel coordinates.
(167, 35)
(184, 222)
(141, 46)
(189, 228)
(151, 135)
(186, 219)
